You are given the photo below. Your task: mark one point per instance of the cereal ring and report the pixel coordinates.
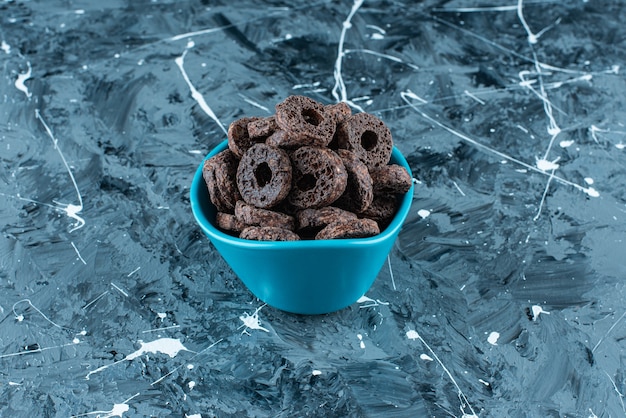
(253, 216)
(351, 228)
(313, 218)
(261, 128)
(222, 167)
(319, 177)
(391, 178)
(228, 222)
(382, 209)
(368, 137)
(305, 120)
(268, 233)
(208, 173)
(264, 175)
(359, 191)
(339, 111)
(238, 136)
(282, 139)
(311, 221)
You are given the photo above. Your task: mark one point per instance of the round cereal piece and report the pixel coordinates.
(268, 233)
(339, 111)
(283, 139)
(261, 128)
(223, 167)
(382, 209)
(264, 175)
(228, 222)
(305, 120)
(368, 137)
(239, 139)
(208, 173)
(359, 191)
(391, 178)
(253, 216)
(319, 177)
(319, 218)
(351, 228)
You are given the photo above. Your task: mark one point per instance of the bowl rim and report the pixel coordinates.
(214, 233)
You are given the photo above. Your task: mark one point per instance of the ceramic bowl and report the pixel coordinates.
(303, 277)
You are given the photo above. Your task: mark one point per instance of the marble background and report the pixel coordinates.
(504, 295)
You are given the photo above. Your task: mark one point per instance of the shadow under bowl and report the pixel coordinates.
(304, 277)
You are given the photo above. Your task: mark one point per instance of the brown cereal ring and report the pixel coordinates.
(261, 128)
(253, 216)
(283, 139)
(352, 228)
(391, 178)
(368, 137)
(268, 233)
(319, 218)
(305, 120)
(239, 139)
(224, 167)
(382, 209)
(319, 177)
(228, 222)
(339, 111)
(359, 192)
(264, 175)
(208, 173)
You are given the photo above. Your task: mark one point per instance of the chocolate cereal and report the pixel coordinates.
(264, 175)
(305, 120)
(319, 177)
(368, 137)
(310, 171)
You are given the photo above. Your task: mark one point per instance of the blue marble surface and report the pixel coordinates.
(503, 296)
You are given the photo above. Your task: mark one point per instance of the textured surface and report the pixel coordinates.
(504, 295)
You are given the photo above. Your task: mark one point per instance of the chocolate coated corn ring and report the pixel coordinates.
(253, 216)
(391, 178)
(264, 175)
(305, 120)
(359, 191)
(238, 137)
(268, 233)
(352, 228)
(319, 177)
(368, 137)
(219, 174)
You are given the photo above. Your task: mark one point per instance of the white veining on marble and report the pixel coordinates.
(370, 302)
(118, 410)
(169, 346)
(339, 90)
(252, 321)
(195, 94)
(393, 281)
(493, 338)
(21, 78)
(70, 209)
(414, 335)
(80, 257)
(409, 96)
(538, 310)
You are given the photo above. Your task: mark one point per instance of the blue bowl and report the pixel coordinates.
(304, 277)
